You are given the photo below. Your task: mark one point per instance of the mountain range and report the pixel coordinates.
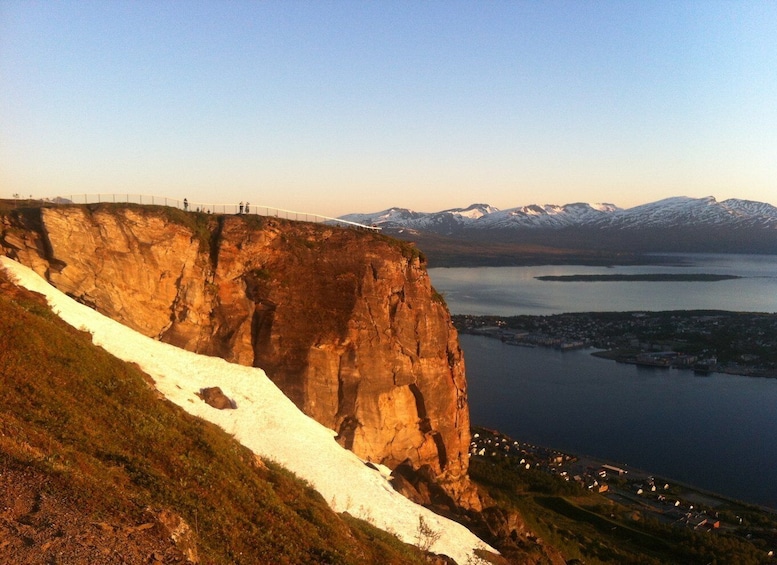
(677, 224)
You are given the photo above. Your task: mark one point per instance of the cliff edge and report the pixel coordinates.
(345, 322)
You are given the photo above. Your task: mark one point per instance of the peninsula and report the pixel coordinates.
(738, 343)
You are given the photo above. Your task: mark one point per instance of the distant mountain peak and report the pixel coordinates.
(473, 211)
(674, 215)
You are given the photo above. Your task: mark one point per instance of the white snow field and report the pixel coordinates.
(265, 421)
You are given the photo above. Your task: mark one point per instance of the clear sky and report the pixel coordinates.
(335, 107)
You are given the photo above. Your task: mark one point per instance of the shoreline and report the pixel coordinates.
(612, 355)
(695, 340)
(711, 479)
(709, 498)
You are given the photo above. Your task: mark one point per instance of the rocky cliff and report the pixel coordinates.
(345, 322)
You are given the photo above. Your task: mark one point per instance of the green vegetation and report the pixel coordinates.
(201, 224)
(407, 248)
(103, 439)
(7, 205)
(261, 274)
(589, 527)
(439, 297)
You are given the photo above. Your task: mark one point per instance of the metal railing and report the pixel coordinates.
(204, 207)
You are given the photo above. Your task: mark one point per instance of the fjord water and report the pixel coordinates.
(717, 432)
(509, 291)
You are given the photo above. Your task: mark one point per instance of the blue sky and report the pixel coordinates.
(335, 107)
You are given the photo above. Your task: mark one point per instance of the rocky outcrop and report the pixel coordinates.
(345, 322)
(136, 267)
(213, 396)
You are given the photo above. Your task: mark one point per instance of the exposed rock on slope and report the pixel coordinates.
(345, 322)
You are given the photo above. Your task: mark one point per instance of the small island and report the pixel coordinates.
(656, 277)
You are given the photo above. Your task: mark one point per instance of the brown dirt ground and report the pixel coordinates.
(39, 525)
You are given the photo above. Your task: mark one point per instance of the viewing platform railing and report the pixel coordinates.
(207, 208)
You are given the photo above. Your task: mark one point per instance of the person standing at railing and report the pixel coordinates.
(185, 205)
(246, 210)
(241, 207)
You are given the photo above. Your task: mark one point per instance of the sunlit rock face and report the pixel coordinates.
(137, 267)
(345, 322)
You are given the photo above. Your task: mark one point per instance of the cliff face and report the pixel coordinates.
(346, 323)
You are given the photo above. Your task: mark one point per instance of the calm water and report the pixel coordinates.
(717, 432)
(509, 291)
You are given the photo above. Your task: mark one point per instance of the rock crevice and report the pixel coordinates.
(344, 322)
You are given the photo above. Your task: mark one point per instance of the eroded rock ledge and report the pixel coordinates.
(345, 322)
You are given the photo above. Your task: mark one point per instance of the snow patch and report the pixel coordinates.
(265, 421)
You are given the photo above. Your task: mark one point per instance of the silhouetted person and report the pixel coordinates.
(241, 207)
(246, 207)
(185, 205)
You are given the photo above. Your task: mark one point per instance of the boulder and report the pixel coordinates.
(214, 397)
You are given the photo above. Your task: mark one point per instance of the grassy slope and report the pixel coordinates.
(91, 429)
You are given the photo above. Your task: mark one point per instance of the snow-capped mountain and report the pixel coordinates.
(548, 216)
(670, 212)
(685, 212)
(443, 221)
(672, 224)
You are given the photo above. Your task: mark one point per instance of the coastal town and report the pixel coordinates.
(701, 341)
(672, 503)
(627, 495)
